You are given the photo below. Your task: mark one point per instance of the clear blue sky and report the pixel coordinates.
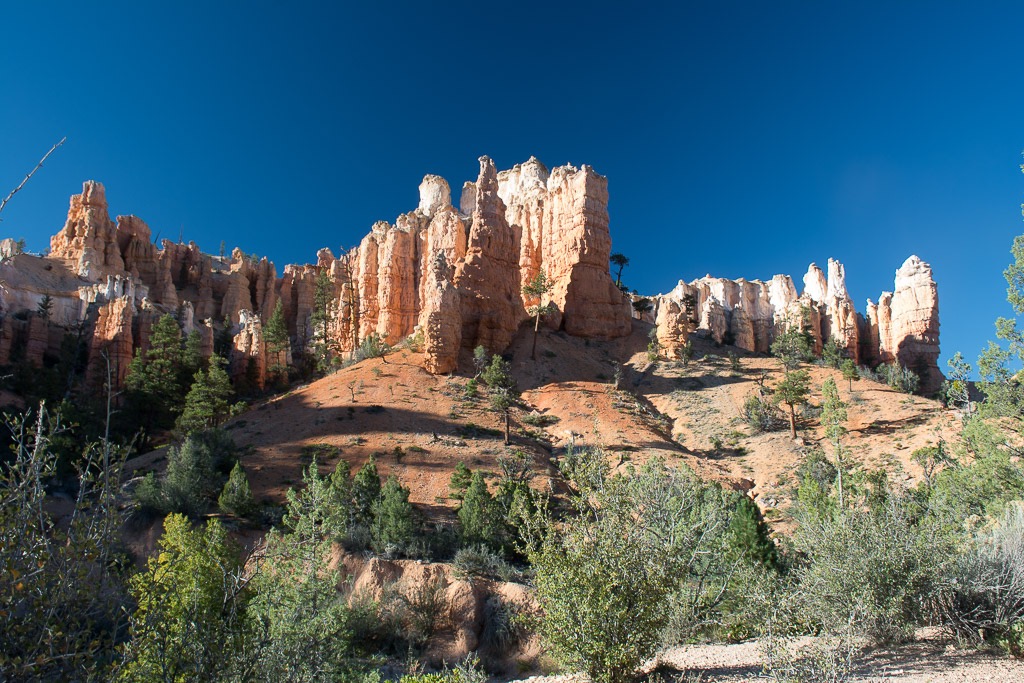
(739, 138)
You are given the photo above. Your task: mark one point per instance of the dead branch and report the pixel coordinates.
(31, 173)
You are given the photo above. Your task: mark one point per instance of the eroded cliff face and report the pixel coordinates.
(454, 275)
(902, 327)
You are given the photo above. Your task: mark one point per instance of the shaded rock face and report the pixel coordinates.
(902, 327)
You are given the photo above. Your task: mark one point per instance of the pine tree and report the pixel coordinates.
(276, 335)
(502, 390)
(340, 517)
(621, 261)
(793, 390)
(392, 527)
(534, 291)
(45, 308)
(479, 515)
(208, 401)
(833, 419)
(850, 373)
(365, 491)
(236, 498)
(154, 378)
(460, 481)
(320, 320)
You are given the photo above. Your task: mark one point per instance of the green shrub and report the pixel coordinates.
(762, 415)
(982, 598)
(899, 377)
(236, 498)
(482, 561)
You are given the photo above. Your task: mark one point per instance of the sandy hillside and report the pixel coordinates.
(419, 426)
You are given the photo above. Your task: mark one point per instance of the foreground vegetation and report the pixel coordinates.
(629, 560)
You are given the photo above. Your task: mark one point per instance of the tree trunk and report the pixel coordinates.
(536, 327)
(508, 428)
(792, 420)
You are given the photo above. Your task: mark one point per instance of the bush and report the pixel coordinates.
(983, 597)
(762, 415)
(898, 377)
(604, 574)
(481, 561)
(870, 569)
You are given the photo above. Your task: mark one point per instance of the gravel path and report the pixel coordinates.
(928, 661)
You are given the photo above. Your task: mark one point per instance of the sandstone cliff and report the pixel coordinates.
(455, 275)
(902, 327)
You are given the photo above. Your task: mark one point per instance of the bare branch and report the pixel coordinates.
(31, 173)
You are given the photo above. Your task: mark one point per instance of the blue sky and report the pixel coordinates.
(740, 139)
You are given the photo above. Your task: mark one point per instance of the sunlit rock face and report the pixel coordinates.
(902, 327)
(455, 275)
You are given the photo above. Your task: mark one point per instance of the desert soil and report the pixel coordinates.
(930, 660)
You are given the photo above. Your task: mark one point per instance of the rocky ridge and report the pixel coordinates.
(453, 274)
(903, 327)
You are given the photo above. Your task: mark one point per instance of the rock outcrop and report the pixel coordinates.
(454, 275)
(902, 327)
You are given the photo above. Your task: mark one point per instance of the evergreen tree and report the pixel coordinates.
(236, 498)
(793, 390)
(276, 335)
(191, 357)
(365, 491)
(833, 419)
(479, 515)
(341, 515)
(621, 261)
(190, 479)
(534, 291)
(392, 527)
(207, 404)
(502, 390)
(850, 372)
(793, 347)
(748, 534)
(154, 379)
(459, 482)
(320, 320)
(832, 353)
(45, 307)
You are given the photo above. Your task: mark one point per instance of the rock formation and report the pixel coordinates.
(455, 275)
(902, 327)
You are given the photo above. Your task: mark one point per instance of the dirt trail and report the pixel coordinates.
(926, 661)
